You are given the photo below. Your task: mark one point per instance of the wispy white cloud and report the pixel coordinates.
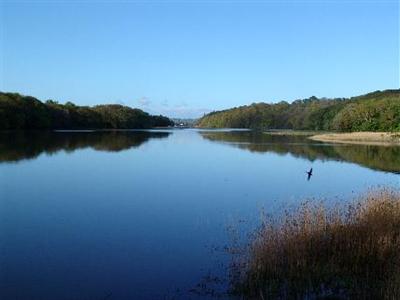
(144, 101)
(120, 102)
(170, 109)
(184, 111)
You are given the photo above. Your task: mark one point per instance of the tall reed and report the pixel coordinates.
(347, 251)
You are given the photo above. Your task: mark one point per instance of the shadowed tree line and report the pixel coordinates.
(18, 145)
(25, 112)
(382, 158)
(377, 111)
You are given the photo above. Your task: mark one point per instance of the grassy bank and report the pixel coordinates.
(371, 138)
(347, 251)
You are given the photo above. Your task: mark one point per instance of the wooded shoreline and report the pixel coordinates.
(19, 112)
(376, 111)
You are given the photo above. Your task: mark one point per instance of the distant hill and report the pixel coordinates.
(376, 111)
(185, 122)
(26, 112)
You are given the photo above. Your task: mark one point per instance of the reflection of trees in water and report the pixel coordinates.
(383, 158)
(18, 145)
(375, 157)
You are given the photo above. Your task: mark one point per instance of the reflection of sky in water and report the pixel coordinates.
(138, 223)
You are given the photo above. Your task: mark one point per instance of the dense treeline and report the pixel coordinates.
(377, 111)
(25, 112)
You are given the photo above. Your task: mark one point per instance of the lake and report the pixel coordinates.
(147, 214)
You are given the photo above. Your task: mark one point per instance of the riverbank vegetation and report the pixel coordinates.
(377, 111)
(25, 112)
(346, 252)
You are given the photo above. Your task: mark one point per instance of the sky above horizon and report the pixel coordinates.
(186, 58)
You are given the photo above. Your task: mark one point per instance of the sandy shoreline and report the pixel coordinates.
(293, 132)
(366, 138)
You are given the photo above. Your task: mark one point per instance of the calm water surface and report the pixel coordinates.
(142, 214)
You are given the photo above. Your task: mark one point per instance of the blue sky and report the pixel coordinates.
(185, 58)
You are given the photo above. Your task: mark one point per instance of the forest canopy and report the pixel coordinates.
(377, 111)
(26, 112)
